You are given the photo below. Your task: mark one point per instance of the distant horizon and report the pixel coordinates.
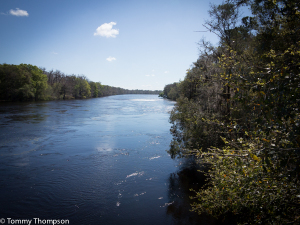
(101, 82)
(134, 44)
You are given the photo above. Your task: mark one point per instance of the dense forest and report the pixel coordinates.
(26, 82)
(237, 111)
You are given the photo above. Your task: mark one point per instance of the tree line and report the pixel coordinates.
(27, 82)
(237, 111)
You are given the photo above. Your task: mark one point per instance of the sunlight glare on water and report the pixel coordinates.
(94, 161)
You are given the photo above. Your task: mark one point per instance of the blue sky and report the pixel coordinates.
(133, 44)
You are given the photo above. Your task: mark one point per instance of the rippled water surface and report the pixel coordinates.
(94, 161)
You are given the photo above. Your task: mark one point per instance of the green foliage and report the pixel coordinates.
(27, 82)
(82, 88)
(22, 82)
(171, 91)
(247, 95)
(94, 89)
(192, 128)
(258, 185)
(38, 81)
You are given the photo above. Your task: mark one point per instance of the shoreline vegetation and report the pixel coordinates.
(27, 82)
(237, 111)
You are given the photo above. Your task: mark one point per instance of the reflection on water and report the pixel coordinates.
(35, 118)
(93, 161)
(181, 186)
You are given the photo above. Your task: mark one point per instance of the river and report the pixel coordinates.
(93, 161)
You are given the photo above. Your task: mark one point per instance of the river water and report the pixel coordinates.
(93, 161)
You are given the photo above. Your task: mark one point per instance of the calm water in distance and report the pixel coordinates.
(94, 161)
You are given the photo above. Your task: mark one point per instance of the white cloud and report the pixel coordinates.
(105, 30)
(55, 53)
(152, 75)
(111, 59)
(166, 71)
(18, 12)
